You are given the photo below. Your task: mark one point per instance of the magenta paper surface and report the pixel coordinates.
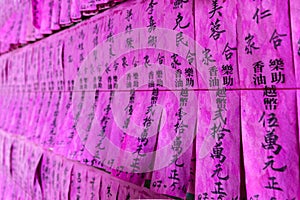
(149, 99)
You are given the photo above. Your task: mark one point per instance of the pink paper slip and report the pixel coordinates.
(271, 154)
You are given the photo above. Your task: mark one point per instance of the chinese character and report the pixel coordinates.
(218, 114)
(214, 82)
(178, 22)
(250, 44)
(215, 8)
(278, 77)
(270, 91)
(147, 61)
(139, 150)
(128, 15)
(213, 71)
(174, 175)
(270, 142)
(276, 39)
(128, 28)
(227, 80)
(179, 39)
(217, 152)
(135, 165)
(271, 162)
(111, 54)
(215, 129)
(207, 57)
(124, 62)
(152, 24)
(108, 191)
(160, 58)
(259, 80)
(179, 3)
(190, 57)
(258, 67)
(150, 7)
(219, 190)
(227, 69)
(189, 72)
(217, 172)
(129, 42)
(152, 40)
(215, 29)
(272, 184)
(276, 64)
(228, 51)
(263, 14)
(175, 62)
